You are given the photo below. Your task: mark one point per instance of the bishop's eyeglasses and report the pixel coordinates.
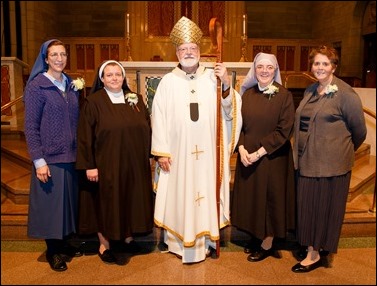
(188, 49)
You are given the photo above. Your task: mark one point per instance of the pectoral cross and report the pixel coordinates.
(196, 152)
(198, 197)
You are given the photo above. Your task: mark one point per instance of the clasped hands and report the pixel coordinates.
(247, 159)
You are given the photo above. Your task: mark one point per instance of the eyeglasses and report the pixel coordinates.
(56, 55)
(185, 50)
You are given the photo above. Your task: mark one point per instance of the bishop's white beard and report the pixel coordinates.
(189, 62)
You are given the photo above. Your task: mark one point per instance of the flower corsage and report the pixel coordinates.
(331, 89)
(132, 100)
(78, 84)
(270, 91)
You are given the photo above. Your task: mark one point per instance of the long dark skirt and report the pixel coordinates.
(53, 206)
(321, 205)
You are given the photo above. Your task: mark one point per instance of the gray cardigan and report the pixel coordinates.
(336, 129)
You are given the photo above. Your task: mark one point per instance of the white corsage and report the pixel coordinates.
(78, 84)
(331, 89)
(132, 100)
(271, 90)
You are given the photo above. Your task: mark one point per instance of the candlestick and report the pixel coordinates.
(128, 38)
(244, 49)
(244, 25)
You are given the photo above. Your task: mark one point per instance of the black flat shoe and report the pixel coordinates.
(252, 245)
(324, 253)
(131, 247)
(56, 262)
(248, 248)
(298, 268)
(107, 256)
(72, 251)
(211, 252)
(260, 254)
(301, 253)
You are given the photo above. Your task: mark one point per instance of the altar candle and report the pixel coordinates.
(244, 25)
(128, 23)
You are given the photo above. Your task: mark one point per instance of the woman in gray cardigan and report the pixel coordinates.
(329, 127)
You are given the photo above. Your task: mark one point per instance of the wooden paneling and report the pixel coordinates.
(207, 10)
(160, 19)
(290, 58)
(280, 56)
(86, 54)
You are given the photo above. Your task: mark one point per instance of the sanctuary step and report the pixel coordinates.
(360, 218)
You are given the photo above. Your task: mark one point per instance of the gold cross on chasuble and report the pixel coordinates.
(198, 197)
(196, 152)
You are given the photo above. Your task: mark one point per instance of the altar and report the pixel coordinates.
(144, 77)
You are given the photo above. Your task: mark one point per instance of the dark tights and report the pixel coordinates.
(55, 246)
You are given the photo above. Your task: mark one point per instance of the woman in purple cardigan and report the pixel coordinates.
(51, 118)
(329, 127)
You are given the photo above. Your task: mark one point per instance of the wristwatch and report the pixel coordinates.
(257, 154)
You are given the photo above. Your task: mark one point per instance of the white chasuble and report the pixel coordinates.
(186, 196)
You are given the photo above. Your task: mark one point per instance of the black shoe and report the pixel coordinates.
(252, 245)
(56, 262)
(324, 253)
(131, 247)
(211, 252)
(72, 251)
(107, 256)
(298, 268)
(248, 248)
(301, 253)
(261, 254)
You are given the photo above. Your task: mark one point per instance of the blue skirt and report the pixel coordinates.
(53, 206)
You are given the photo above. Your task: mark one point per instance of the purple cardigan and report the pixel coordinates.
(51, 121)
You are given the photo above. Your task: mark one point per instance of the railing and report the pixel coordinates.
(305, 75)
(373, 207)
(11, 103)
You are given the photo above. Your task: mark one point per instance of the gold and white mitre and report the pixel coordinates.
(185, 31)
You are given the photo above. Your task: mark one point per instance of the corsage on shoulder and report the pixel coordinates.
(331, 89)
(132, 100)
(271, 90)
(78, 84)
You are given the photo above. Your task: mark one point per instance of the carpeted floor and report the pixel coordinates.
(24, 263)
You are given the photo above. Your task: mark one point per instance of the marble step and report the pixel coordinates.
(15, 180)
(359, 220)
